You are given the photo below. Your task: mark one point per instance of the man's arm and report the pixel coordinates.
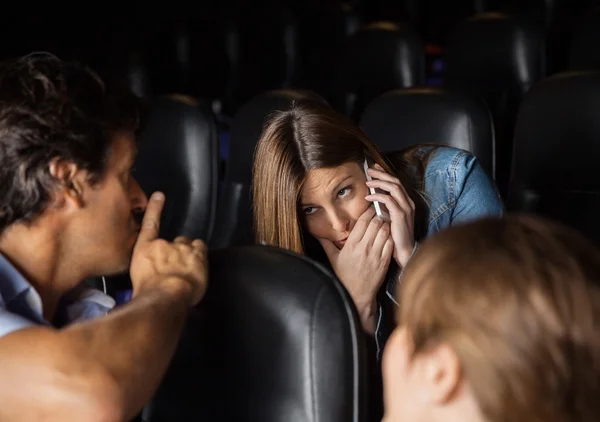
(102, 370)
(107, 369)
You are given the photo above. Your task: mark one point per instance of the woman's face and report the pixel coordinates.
(332, 200)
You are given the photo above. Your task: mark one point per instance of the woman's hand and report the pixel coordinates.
(361, 265)
(401, 209)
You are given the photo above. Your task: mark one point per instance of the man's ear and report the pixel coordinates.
(70, 183)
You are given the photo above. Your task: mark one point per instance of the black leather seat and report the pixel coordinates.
(178, 155)
(323, 29)
(378, 58)
(542, 11)
(268, 50)
(439, 17)
(276, 339)
(584, 52)
(394, 11)
(234, 217)
(498, 57)
(428, 115)
(189, 56)
(557, 146)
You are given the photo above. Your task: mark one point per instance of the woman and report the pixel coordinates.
(310, 195)
(498, 322)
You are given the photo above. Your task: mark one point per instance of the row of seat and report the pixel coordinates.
(496, 56)
(235, 58)
(329, 58)
(435, 18)
(555, 146)
(277, 337)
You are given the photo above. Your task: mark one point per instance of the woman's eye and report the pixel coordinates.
(309, 210)
(344, 191)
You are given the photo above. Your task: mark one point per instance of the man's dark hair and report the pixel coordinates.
(53, 109)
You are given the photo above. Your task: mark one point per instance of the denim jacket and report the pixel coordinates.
(457, 190)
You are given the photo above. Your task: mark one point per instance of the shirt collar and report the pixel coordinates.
(17, 291)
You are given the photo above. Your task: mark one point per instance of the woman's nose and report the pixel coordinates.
(339, 221)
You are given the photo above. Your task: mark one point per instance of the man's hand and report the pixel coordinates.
(157, 263)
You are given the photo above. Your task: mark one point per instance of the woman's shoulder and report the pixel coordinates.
(447, 160)
(452, 183)
(433, 160)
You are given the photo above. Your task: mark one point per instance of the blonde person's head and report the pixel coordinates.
(499, 321)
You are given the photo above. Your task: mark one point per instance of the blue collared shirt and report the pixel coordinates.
(21, 305)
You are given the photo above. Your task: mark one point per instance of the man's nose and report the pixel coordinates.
(139, 198)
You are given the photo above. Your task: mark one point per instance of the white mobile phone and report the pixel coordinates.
(380, 209)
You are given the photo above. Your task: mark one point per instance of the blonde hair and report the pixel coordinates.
(518, 301)
(309, 135)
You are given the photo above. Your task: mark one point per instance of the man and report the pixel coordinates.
(68, 203)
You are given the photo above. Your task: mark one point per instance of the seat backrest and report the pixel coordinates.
(431, 115)
(498, 57)
(276, 339)
(377, 58)
(234, 217)
(556, 150)
(584, 53)
(178, 155)
(440, 16)
(268, 48)
(542, 11)
(187, 56)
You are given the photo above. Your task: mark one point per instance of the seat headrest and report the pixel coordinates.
(584, 52)
(178, 155)
(276, 339)
(431, 115)
(379, 57)
(542, 11)
(557, 135)
(492, 49)
(247, 126)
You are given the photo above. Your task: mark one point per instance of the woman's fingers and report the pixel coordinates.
(372, 231)
(388, 201)
(395, 190)
(382, 236)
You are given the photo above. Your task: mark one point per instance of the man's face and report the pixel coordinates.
(105, 228)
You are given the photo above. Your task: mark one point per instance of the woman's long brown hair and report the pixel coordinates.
(309, 135)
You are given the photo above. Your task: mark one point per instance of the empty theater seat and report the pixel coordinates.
(405, 117)
(377, 58)
(234, 216)
(498, 57)
(584, 51)
(267, 38)
(556, 150)
(178, 155)
(541, 11)
(276, 339)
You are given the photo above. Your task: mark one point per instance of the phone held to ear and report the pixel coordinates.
(380, 209)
